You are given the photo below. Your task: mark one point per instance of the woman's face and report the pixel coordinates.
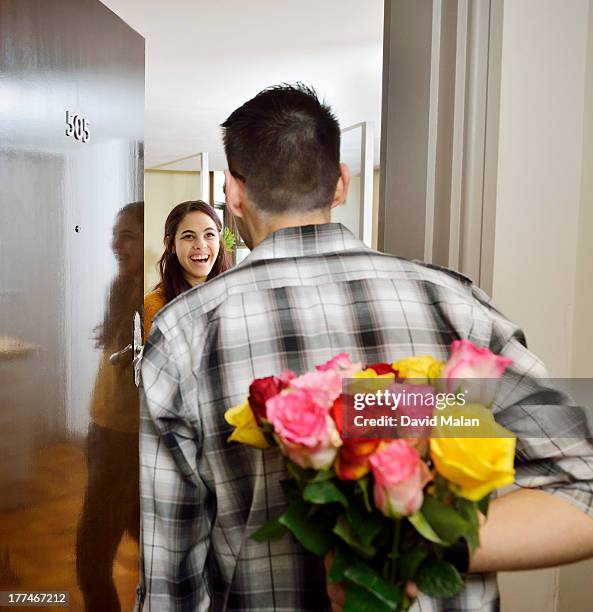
(127, 244)
(197, 243)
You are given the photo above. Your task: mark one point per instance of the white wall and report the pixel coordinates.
(582, 362)
(544, 226)
(539, 171)
(576, 581)
(163, 190)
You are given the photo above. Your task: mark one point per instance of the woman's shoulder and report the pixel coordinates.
(153, 302)
(155, 299)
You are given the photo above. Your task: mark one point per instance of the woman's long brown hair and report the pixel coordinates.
(124, 297)
(173, 281)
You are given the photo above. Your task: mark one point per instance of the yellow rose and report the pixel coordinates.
(477, 465)
(368, 381)
(370, 373)
(246, 428)
(420, 370)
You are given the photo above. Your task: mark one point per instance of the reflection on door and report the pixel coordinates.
(71, 265)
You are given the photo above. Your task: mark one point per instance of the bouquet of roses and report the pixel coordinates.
(396, 504)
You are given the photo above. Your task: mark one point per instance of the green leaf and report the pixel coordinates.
(472, 538)
(362, 486)
(408, 563)
(228, 239)
(469, 511)
(424, 529)
(484, 504)
(438, 579)
(323, 475)
(306, 475)
(344, 530)
(365, 524)
(272, 530)
(315, 535)
(360, 600)
(366, 577)
(369, 591)
(447, 523)
(341, 561)
(324, 492)
(442, 487)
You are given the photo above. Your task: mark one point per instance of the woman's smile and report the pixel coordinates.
(200, 258)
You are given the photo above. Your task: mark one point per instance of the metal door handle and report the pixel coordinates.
(137, 347)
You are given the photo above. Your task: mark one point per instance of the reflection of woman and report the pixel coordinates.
(194, 253)
(111, 505)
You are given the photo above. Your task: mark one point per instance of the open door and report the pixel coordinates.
(71, 267)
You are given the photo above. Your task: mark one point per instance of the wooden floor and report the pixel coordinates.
(37, 541)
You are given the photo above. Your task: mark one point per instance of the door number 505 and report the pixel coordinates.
(78, 127)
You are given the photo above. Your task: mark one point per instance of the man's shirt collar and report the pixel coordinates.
(306, 240)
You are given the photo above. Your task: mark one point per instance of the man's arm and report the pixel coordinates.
(549, 521)
(176, 514)
(530, 529)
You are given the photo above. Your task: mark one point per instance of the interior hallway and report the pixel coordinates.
(41, 536)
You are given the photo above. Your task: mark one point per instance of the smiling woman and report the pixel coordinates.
(194, 253)
(197, 244)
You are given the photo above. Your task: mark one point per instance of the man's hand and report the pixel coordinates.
(337, 593)
(335, 590)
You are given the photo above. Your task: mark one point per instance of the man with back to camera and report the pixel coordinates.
(309, 290)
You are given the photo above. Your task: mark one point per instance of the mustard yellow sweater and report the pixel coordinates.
(153, 302)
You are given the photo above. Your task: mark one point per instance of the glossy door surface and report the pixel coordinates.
(71, 243)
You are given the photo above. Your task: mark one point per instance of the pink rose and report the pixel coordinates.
(285, 377)
(320, 458)
(303, 428)
(340, 363)
(400, 475)
(468, 362)
(325, 386)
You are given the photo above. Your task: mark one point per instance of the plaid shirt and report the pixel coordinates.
(303, 295)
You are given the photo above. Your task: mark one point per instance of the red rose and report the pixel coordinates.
(336, 413)
(382, 368)
(352, 462)
(260, 391)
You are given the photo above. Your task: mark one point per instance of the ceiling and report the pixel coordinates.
(204, 59)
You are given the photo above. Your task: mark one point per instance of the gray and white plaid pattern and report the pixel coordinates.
(302, 295)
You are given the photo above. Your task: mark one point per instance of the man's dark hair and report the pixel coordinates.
(285, 145)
